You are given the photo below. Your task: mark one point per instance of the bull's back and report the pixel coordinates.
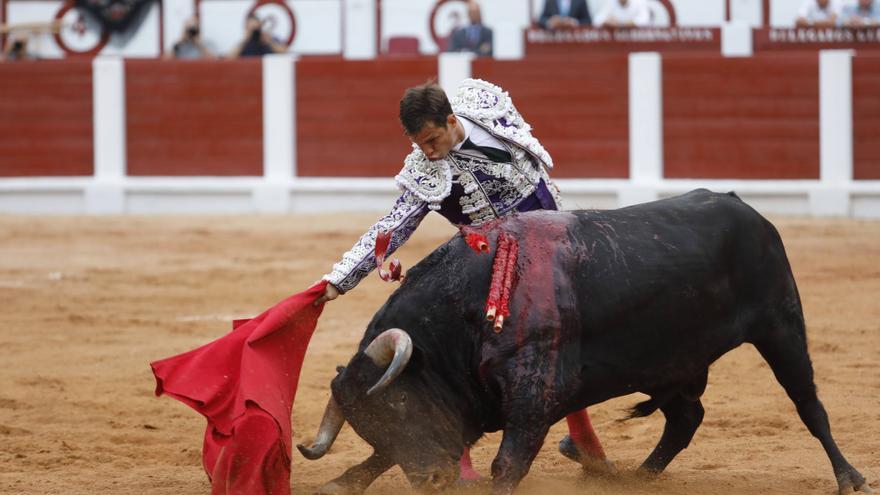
(663, 289)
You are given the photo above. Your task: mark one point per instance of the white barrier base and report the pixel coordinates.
(237, 195)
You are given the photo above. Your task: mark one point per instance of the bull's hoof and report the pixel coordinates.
(853, 481)
(590, 464)
(467, 486)
(849, 488)
(468, 475)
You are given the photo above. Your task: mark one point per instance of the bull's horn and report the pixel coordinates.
(391, 346)
(329, 429)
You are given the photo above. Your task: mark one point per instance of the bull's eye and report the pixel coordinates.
(435, 481)
(399, 404)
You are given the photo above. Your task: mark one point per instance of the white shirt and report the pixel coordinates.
(564, 7)
(478, 136)
(850, 13)
(811, 12)
(635, 11)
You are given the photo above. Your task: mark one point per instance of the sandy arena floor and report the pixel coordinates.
(87, 303)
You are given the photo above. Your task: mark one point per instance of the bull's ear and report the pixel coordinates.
(417, 360)
(340, 369)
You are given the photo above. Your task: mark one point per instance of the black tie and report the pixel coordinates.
(491, 153)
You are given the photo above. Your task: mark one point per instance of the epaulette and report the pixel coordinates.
(429, 181)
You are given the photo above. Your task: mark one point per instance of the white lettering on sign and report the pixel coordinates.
(639, 35)
(823, 35)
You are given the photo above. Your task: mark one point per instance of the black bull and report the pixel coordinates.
(640, 299)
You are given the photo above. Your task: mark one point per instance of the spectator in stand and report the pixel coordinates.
(475, 37)
(257, 42)
(624, 13)
(863, 14)
(818, 13)
(16, 47)
(564, 14)
(190, 45)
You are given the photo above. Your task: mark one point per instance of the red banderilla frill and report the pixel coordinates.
(509, 282)
(476, 241)
(383, 241)
(503, 280)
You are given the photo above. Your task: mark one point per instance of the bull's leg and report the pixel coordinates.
(358, 478)
(519, 446)
(683, 417)
(582, 444)
(466, 471)
(785, 349)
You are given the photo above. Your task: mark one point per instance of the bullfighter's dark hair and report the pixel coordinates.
(423, 104)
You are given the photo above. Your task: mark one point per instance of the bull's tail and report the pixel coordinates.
(690, 391)
(643, 409)
(648, 407)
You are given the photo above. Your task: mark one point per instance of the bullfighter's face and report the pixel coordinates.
(437, 141)
(407, 422)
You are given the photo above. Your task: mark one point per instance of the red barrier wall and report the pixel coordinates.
(347, 124)
(46, 118)
(741, 118)
(577, 110)
(753, 118)
(194, 117)
(866, 116)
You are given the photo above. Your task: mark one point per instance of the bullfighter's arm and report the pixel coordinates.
(360, 260)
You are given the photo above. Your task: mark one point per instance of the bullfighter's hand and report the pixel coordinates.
(330, 293)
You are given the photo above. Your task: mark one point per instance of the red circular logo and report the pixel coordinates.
(80, 33)
(657, 7)
(277, 18)
(446, 16)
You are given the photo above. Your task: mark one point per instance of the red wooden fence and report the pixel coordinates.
(578, 109)
(741, 118)
(194, 117)
(866, 116)
(346, 119)
(724, 118)
(46, 118)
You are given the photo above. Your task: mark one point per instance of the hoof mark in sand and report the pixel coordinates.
(11, 430)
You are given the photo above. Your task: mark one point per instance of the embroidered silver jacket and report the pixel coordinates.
(490, 189)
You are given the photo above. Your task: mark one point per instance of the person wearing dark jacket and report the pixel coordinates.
(475, 37)
(257, 41)
(564, 14)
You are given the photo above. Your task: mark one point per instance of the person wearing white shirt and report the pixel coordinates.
(818, 13)
(564, 14)
(864, 13)
(624, 13)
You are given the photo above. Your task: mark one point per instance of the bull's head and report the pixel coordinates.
(400, 413)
